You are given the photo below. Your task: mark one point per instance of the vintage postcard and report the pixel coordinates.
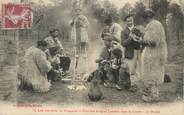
(109, 57)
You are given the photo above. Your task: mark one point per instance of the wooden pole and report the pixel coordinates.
(183, 85)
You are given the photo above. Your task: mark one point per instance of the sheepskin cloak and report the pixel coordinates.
(154, 58)
(79, 29)
(33, 69)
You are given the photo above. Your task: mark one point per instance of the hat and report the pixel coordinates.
(107, 37)
(42, 43)
(53, 50)
(115, 40)
(107, 34)
(127, 16)
(117, 52)
(78, 8)
(78, 5)
(53, 30)
(148, 13)
(108, 20)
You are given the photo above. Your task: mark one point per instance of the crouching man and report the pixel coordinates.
(111, 60)
(105, 56)
(53, 44)
(54, 59)
(33, 69)
(118, 73)
(120, 70)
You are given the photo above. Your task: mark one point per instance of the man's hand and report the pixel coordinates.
(71, 22)
(137, 39)
(149, 44)
(152, 44)
(99, 60)
(103, 61)
(115, 66)
(57, 72)
(131, 35)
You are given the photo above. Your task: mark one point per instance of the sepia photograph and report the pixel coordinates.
(92, 57)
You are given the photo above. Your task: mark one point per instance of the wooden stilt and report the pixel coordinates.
(183, 84)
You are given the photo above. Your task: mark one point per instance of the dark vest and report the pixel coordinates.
(129, 45)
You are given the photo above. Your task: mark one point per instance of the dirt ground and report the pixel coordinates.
(7, 83)
(61, 95)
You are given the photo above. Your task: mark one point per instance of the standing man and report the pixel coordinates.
(80, 24)
(114, 29)
(132, 48)
(79, 34)
(153, 58)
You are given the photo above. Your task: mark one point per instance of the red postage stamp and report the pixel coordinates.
(17, 16)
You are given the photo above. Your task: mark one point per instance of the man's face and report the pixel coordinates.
(107, 43)
(109, 24)
(168, 19)
(146, 21)
(55, 34)
(115, 44)
(130, 21)
(106, 67)
(78, 12)
(43, 48)
(53, 51)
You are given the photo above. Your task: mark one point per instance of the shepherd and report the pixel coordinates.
(154, 57)
(79, 35)
(80, 26)
(33, 69)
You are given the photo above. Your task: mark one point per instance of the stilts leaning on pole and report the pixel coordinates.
(183, 84)
(75, 54)
(86, 62)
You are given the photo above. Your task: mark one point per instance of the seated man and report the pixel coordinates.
(33, 69)
(54, 59)
(120, 70)
(110, 63)
(53, 41)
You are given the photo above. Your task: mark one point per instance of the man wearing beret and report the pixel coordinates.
(111, 61)
(114, 28)
(79, 34)
(105, 56)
